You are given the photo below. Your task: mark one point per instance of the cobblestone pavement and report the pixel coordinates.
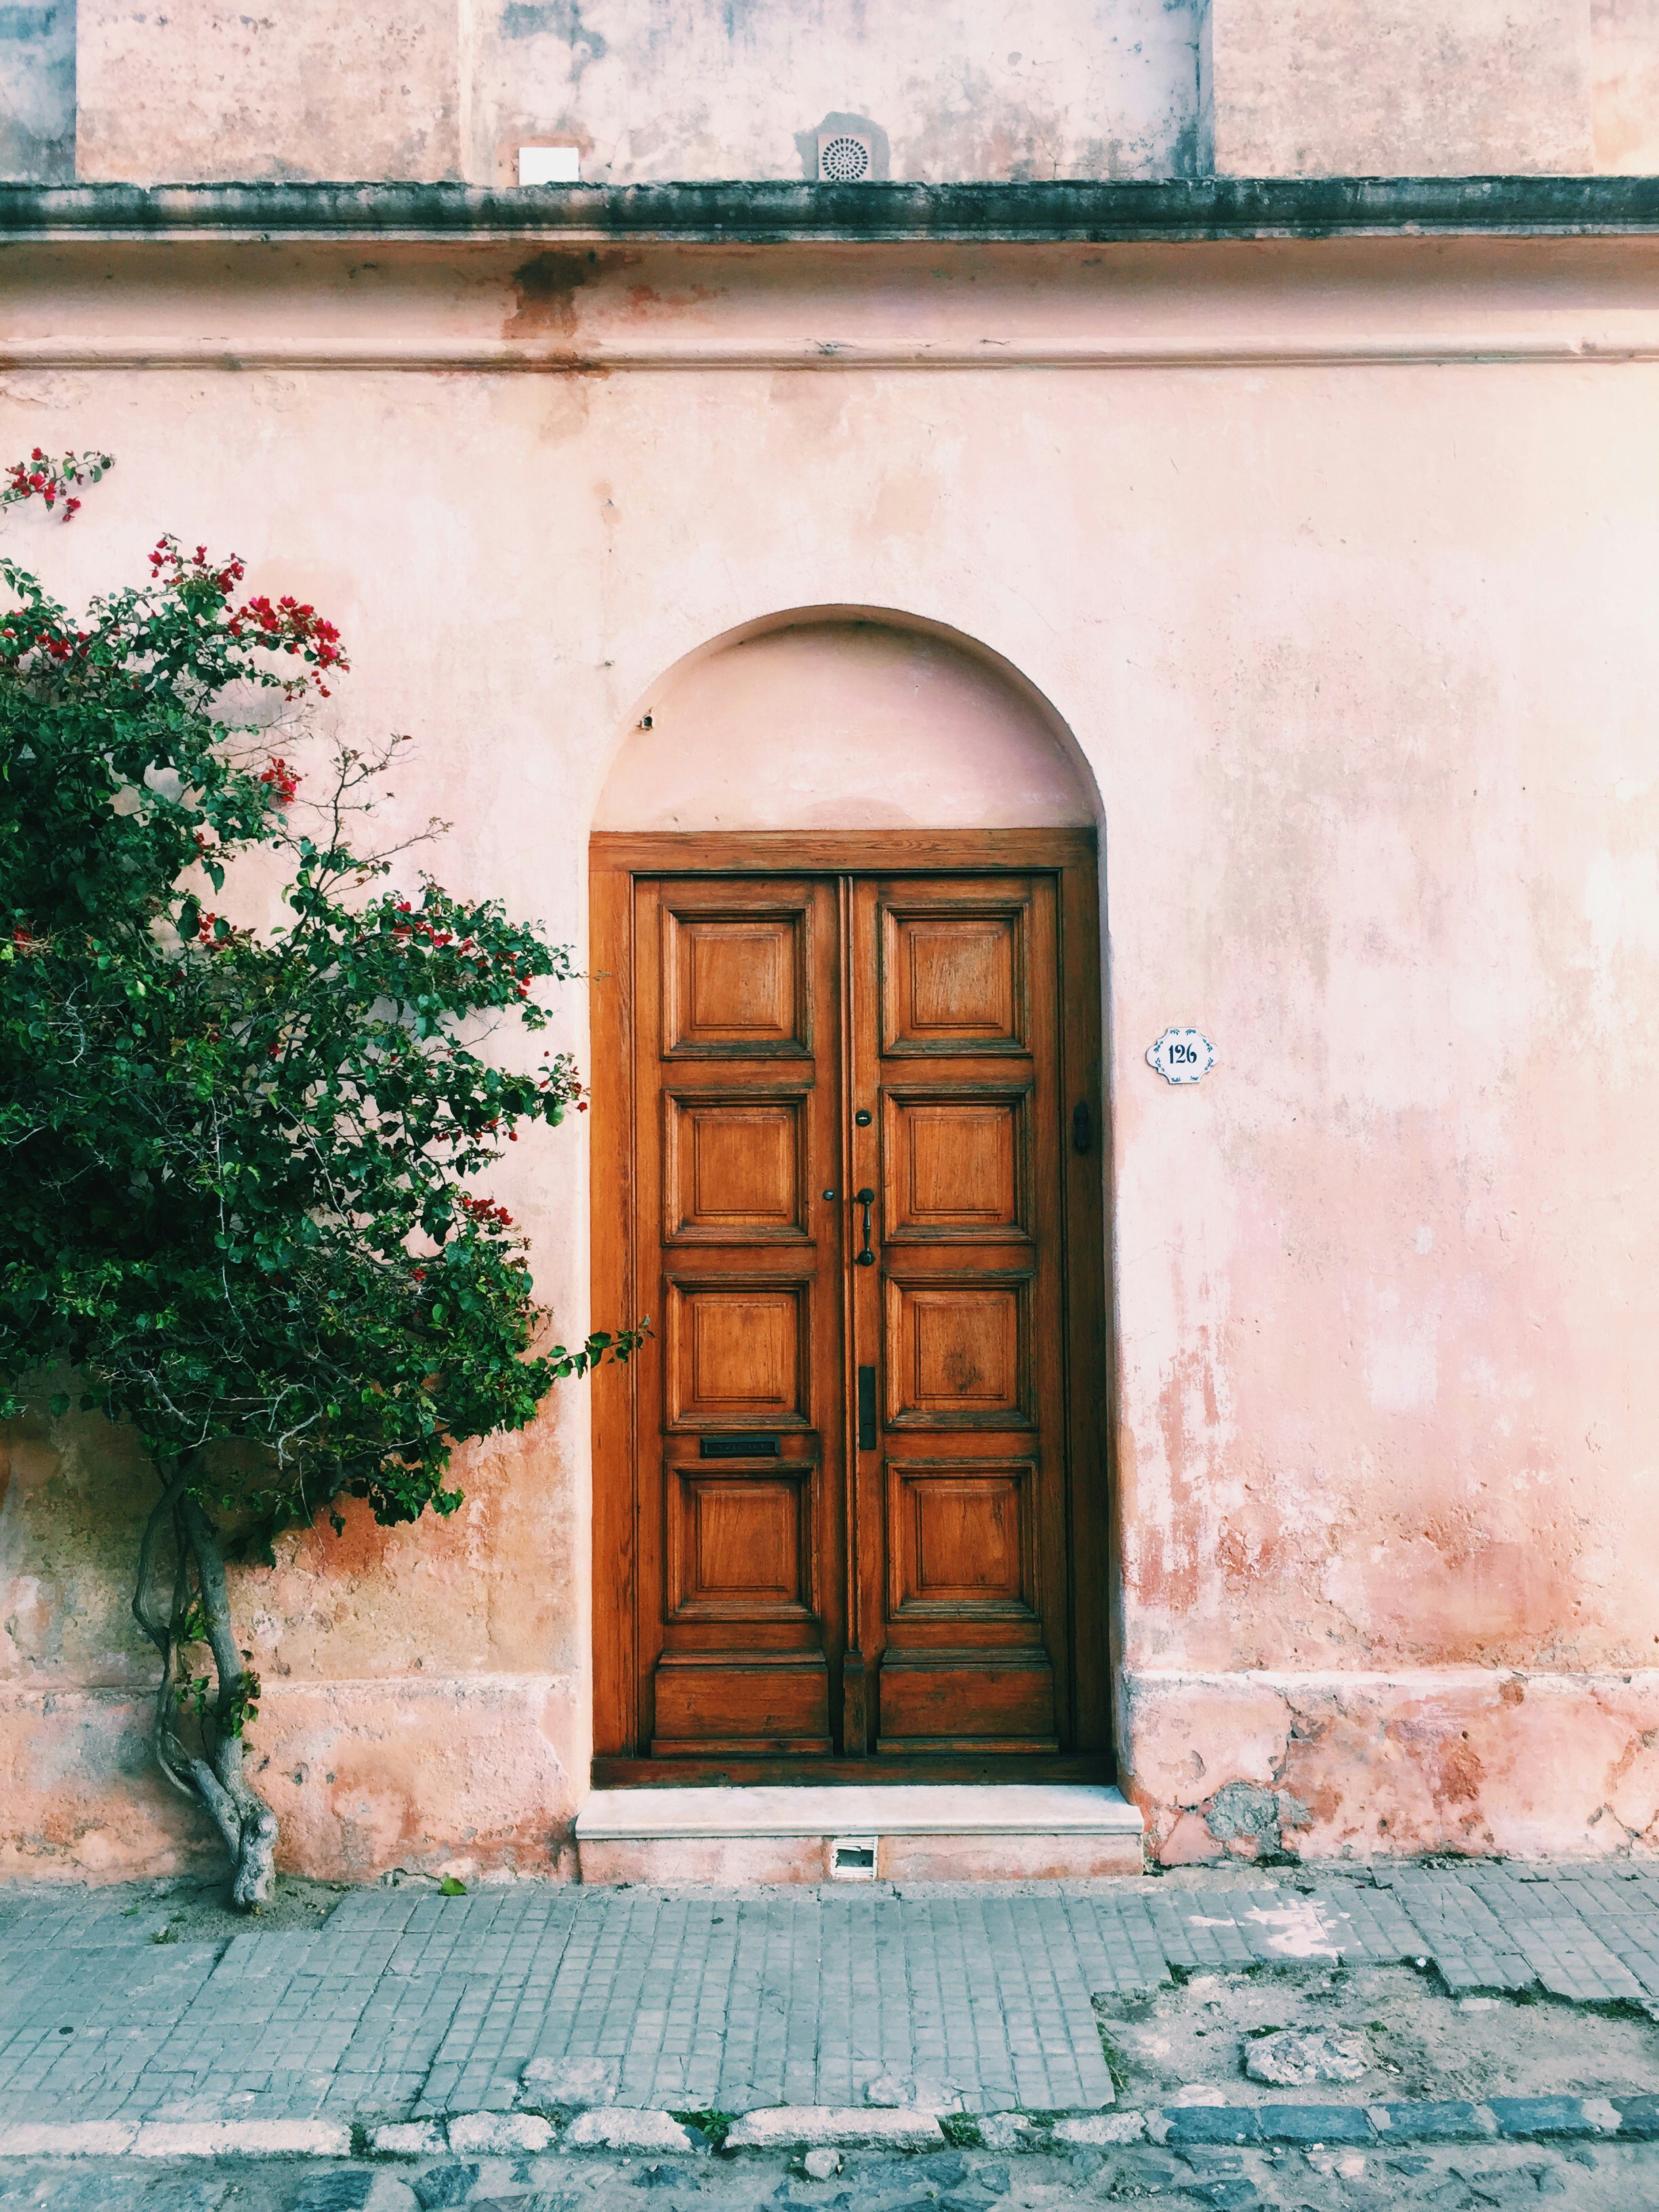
(1605, 2179)
(406, 2004)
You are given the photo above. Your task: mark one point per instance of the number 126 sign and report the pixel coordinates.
(1181, 1056)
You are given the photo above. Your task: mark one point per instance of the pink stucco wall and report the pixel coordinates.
(1332, 563)
(827, 722)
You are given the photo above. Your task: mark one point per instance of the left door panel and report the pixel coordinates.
(737, 1044)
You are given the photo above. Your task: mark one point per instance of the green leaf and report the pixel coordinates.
(449, 1886)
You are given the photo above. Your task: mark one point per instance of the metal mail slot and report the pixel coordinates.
(737, 1447)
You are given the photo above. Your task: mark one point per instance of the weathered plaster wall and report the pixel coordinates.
(37, 90)
(841, 725)
(1350, 618)
(1624, 85)
(444, 88)
(976, 88)
(452, 89)
(1431, 88)
(205, 90)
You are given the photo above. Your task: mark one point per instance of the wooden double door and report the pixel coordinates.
(848, 1496)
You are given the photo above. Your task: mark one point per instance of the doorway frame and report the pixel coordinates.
(616, 859)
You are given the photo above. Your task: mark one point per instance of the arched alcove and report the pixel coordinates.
(831, 720)
(850, 1497)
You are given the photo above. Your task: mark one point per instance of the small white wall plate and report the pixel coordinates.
(1181, 1056)
(549, 164)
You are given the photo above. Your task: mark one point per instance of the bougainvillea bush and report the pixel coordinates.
(240, 1162)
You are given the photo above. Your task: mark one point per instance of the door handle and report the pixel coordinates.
(866, 1199)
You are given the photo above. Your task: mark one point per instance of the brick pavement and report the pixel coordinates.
(407, 2004)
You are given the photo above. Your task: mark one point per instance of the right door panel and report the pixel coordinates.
(959, 1499)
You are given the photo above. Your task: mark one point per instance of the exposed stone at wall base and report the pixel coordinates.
(459, 1776)
(1327, 1765)
(455, 1776)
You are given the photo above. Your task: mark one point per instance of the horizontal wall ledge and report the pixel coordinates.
(1288, 352)
(1209, 209)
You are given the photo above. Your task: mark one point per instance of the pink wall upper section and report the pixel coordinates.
(967, 89)
(840, 725)
(201, 89)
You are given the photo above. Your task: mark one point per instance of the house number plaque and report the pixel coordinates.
(1181, 1056)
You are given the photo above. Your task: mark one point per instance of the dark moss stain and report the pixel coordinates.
(545, 287)
(545, 291)
(776, 211)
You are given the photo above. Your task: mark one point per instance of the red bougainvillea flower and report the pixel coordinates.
(280, 780)
(47, 480)
(487, 1215)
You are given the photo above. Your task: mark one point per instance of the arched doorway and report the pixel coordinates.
(850, 1513)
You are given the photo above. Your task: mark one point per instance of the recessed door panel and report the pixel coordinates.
(737, 1354)
(739, 1544)
(955, 1163)
(957, 1351)
(953, 976)
(961, 1545)
(734, 1167)
(736, 984)
(937, 1703)
(737, 1704)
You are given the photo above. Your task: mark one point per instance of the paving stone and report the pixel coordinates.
(1294, 2058)
(1012, 2131)
(1210, 2124)
(537, 2200)
(242, 2139)
(788, 2128)
(1530, 2117)
(443, 2185)
(1314, 2124)
(499, 2134)
(616, 2129)
(408, 2139)
(1433, 2120)
(358, 2190)
(1093, 2130)
(560, 2082)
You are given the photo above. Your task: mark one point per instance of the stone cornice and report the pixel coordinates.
(1213, 209)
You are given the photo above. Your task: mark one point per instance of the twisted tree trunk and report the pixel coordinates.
(211, 1773)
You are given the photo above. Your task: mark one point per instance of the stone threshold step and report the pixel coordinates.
(926, 1832)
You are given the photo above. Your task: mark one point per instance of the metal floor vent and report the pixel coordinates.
(845, 157)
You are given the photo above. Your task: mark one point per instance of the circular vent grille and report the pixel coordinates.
(843, 161)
